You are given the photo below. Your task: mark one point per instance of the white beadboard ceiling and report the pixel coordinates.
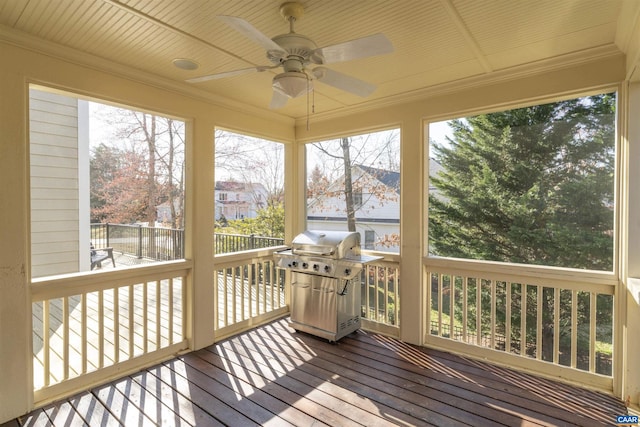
(436, 42)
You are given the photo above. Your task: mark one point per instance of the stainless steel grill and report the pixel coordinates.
(325, 282)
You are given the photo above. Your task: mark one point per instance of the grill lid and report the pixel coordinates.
(331, 244)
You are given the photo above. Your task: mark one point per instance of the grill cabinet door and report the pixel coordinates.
(314, 301)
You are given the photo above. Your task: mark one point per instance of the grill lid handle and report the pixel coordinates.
(315, 253)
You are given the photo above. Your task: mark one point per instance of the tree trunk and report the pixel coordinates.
(151, 182)
(348, 185)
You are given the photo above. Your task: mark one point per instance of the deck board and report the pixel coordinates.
(272, 375)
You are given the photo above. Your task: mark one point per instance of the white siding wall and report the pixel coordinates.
(375, 207)
(54, 183)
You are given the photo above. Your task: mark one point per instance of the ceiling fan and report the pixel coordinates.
(295, 53)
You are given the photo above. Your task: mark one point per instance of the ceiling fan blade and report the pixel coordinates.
(250, 32)
(376, 44)
(278, 100)
(343, 81)
(225, 74)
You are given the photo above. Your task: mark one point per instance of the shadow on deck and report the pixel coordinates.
(272, 375)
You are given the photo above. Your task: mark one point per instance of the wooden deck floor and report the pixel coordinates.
(274, 376)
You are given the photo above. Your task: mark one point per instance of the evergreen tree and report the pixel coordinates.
(533, 185)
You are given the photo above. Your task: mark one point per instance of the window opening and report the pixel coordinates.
(353, 184)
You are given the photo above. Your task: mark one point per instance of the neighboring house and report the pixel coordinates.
(163, 211)
(238, 200)
(59, 160)
(376, 195)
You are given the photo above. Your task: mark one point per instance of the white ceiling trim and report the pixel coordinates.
(83, 59)
(523, 71)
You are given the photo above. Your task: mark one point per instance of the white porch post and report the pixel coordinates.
(412, 301)
(199, 226)
(631, 322)
(15, 312)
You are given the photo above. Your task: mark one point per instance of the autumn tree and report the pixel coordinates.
(137, 165)
(117, 185)
(349, 171)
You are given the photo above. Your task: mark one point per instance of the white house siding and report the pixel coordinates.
(55, 234)
(244, 201)
(381, 229)
(380, 214)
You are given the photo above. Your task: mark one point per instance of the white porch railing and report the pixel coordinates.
(380, 295)
(250, 290)
(552, 321)
(90, 328)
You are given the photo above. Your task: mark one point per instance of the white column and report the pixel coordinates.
(630, 320)
(412, 299)
(16, 395)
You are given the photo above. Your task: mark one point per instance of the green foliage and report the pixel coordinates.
(532, 185)
(269, 223)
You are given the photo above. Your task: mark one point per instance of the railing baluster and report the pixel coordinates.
(592, 331)
(523, 319)
(478, 311)
(376, 275)
(183, 307)
(46, 344)
(440, 307)
(145, 317)
(158, 318)
(539, 323)
(452, 305)
(65, 338)
(234, 290)
(574, 328)
(507, 317)
(216, 311)
(386, 294)
(116, 325)
(131, 323)
(556, 325)
(493, 313)
(367, 294)
(465, 307)
(170, 311)
(83, 331)
(100, 329)
(248, 279)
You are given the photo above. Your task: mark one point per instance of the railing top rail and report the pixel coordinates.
(517, 273)
(77, 283)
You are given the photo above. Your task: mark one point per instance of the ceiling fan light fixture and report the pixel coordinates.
(292, 84)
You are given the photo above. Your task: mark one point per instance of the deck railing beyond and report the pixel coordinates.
(162, 244)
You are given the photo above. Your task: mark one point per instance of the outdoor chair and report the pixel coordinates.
(100, 254)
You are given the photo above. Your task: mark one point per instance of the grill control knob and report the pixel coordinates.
(316, 267)
(305, 265)
(294, 263)
(347, 271)
(327, 268)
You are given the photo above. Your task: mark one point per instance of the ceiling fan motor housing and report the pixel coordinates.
(295, 45)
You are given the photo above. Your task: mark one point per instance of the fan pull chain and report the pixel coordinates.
(308, 102)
